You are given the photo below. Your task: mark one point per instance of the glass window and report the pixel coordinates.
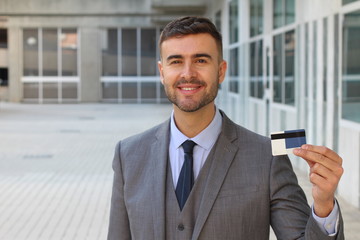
(50, 57)
(289, 11)
(277, 71)
(69, 45)
(278, 13)
(31, 51)
(50, 90)
(148, 52)
(256, 69)
(256, 17)
(283, 12)
(3, 38)
(351, 67)
(218, 21)
(234, 70)
(234, 18)
(110, 53)
(284, 68)
(69, 90)
(4, 77)
(290, 68)
(129, 53)
(110, 90)
(31, 91)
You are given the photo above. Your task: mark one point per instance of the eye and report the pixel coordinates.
(201, 60)
(175, 62)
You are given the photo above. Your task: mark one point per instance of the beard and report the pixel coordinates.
(189, 104)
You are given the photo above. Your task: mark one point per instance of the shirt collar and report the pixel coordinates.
(205, 139)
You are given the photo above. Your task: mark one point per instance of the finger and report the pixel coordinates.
(315, 157)
(332, 177)
(323, 151)
(323, 184)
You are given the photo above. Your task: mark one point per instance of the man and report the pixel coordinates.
(236, 188)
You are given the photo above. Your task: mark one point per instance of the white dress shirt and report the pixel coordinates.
(205, 140)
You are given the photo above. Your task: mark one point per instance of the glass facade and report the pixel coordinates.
(50, 70)
(348, 1)
(129, 66)
(256, 69)
(283, 12)
(284, 68)
(234, 70)
(233, 24)
(351, 67)
(256, 17)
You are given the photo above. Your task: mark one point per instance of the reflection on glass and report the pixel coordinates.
(148, 91)
(31, 48)
(31, 91)
(283, 12)
(148, 52)
(351, 67)
(218, 21)
(50, 90)
(256, 70)
(3, 38)
(129, 54)
(110, 90)
(234, 70)
(290, 68)
(277, 71)
(129, 91)
(234, 17)
(69, 45)
(256, 17)
(278, 13)
(110, 53)
(289, 11)
(50, 58)
(69, 90)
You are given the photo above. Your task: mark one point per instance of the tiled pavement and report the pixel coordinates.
(55, 168)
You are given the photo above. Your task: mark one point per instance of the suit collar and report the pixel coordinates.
(224, 153)
(159, 157)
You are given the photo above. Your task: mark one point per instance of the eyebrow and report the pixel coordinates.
(198, 55)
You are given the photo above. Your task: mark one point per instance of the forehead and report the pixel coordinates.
(189, 44)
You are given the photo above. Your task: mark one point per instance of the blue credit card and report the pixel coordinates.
(283, 142)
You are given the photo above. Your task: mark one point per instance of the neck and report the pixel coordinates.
(192, 123)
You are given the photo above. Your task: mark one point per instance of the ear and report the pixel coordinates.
(160, 67)
(222, 71)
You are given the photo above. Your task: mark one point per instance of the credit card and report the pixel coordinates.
(282, 143)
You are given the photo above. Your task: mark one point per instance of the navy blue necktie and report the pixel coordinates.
(186, 178)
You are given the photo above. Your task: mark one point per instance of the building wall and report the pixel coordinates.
(320, 104)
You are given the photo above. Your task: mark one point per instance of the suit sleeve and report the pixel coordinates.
(291, 216)
(119, 222)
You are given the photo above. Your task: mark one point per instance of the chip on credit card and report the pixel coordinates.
(283, 142)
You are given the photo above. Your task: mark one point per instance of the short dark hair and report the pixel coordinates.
(191, 25)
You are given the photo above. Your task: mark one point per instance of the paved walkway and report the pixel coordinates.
(55, 168)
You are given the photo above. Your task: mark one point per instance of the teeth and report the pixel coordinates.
(188, 89)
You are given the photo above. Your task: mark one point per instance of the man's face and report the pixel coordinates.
(191, 70)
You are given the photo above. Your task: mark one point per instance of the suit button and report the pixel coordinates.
(180, 227)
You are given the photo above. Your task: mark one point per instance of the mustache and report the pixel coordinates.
(191, 81)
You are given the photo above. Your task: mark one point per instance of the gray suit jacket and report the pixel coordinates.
(247, 191)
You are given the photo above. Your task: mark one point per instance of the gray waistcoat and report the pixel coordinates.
(180, 225)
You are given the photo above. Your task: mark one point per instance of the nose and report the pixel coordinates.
(188, 71)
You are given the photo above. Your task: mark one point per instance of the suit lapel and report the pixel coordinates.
(159, 156)
(222, 158)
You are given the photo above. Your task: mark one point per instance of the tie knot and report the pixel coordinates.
(188, 146)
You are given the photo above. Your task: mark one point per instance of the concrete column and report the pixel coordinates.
(15, 64)
(90, 65)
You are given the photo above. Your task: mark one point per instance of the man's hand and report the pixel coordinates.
(325, 173)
